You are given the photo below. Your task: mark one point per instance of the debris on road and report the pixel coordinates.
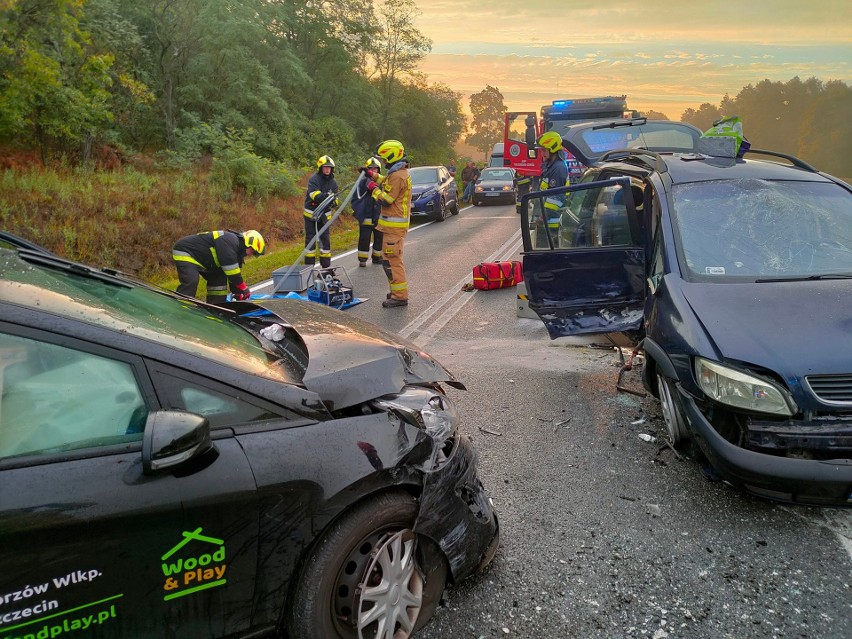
(490, 432)
(647, 438)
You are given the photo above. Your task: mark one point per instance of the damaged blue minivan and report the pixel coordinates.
(734, 276)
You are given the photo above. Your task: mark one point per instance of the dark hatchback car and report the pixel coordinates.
(734, 276)
(495, 186)
(167, 471)
(434, 193)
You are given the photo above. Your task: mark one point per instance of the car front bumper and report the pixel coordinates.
(803, 481)
(456, 513)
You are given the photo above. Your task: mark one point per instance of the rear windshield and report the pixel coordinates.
(423, 176)
(760, 228)
(654, 136)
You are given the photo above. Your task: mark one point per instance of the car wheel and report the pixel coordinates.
(454, 209)
(441, 215)
(367, 577)
(672, 415)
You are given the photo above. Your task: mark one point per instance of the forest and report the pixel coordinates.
(125, 124)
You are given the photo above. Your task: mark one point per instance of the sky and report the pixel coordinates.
(665, 55)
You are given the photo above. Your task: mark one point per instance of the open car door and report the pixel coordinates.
(584, 259)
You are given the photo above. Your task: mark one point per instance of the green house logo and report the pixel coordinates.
(194, 564)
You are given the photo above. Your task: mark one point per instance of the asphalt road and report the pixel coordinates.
(604, 534)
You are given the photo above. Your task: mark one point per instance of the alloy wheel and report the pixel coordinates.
(671, 412)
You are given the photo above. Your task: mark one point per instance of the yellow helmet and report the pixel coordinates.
(254, 241)
(372, 163)
(325, 160)
(391, 151)
(551, 141)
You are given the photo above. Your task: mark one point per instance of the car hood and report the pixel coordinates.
(418, 189)
(793, 328)
(351, 360)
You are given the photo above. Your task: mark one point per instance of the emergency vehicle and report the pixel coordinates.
(522, 128)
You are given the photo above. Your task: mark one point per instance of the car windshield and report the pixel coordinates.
(758, 228)
(496, 174)
(423, 176)
(138, 311)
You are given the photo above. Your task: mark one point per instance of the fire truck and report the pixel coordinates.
(522, 128)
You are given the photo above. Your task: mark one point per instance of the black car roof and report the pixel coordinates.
(685, 168)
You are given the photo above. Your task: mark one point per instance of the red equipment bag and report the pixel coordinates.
(489, 275)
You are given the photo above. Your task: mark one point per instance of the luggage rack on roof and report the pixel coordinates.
(800, 164)
(650, 158)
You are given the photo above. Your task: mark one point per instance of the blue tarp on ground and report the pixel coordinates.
(294, 296)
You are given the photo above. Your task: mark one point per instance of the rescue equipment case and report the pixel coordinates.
(491, 275)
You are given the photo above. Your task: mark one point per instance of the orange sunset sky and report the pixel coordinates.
(664, 54)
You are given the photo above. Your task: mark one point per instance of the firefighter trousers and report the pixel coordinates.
(369, 234)
(394, 243)
(322, 246)
(188, 276)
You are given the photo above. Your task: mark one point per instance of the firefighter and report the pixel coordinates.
(321, 186)
(217, 256)
(393, 193)
(367, 211)
(554, 173)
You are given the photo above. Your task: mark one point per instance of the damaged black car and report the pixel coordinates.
(733, 276)
(170, 468)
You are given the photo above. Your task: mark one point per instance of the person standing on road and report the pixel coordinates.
(217, 256)
(321, 186)
(367, 211)
(467, 181)
(393, 193)
(554, 173)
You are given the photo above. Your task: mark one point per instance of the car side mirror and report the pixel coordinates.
(173, 438)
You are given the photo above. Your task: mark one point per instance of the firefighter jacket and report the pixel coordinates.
(319, 187)
(364, 207)
(394, 194)
(214, 250)
(554, 173)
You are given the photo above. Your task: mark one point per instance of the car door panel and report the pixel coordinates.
(87, 540)
(581, 279)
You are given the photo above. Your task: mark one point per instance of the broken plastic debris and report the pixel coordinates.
(646, 437)
(636, 422)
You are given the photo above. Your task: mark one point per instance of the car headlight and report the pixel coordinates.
(430, 193)
(506, 187)
(425, 408)
(740, 390)
(478, 189)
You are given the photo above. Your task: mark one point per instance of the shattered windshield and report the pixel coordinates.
(763, 229)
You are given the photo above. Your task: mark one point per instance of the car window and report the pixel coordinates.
(57, 398)
(423, 176)
(662, 136)
(589, 218)
(220, 408)
(762, 228)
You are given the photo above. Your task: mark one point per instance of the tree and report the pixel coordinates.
(51, 85)
(487, 109)
(396, 52)
(655, 115)
(703, 118)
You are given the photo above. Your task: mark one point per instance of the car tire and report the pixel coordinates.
(672, 413)
(441, 215)
(343, 574)
(454, 209)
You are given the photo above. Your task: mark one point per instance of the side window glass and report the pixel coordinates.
(221, 409)
(54, 398)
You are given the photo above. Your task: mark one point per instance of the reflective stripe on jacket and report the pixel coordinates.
(213, 250)
(394, 195)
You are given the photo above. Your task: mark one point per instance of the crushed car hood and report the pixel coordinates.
(793, 328)
(351, 360)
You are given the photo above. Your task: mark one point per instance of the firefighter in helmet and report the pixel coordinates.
(217, 256)
(320, 197)
(367, 210)
(393, 193)
(554, 173)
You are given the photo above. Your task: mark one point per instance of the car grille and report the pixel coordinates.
(832, 389)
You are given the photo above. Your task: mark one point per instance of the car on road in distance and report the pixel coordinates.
(495, 185)
(734, 277)
(434, 193)
(172, 468)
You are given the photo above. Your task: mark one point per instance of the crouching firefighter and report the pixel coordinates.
(393, 193)
(217, 256)
(554, 173)
(321, 186)
(366, 211)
